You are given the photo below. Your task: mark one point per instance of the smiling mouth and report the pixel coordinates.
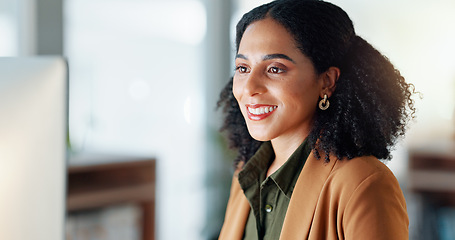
(259, 112)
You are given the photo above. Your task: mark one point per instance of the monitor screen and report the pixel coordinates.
(33, 130)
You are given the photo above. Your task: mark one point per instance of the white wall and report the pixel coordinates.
(145, 80)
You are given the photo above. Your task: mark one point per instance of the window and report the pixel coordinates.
(137, 87)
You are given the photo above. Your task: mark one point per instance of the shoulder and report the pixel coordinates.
(364, 181)
(369, 192)
(361, 169)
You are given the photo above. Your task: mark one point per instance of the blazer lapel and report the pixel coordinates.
(237, 212)
(299, 215)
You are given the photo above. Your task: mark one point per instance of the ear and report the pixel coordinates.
(329, 79)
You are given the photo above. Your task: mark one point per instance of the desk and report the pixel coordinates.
(107, 184)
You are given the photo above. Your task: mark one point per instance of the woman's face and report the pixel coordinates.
(275, 84)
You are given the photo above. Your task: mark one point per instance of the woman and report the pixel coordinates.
(311, 108)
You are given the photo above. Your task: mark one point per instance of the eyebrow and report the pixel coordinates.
(269, 57)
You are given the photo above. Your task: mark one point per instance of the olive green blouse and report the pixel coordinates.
(269, 196)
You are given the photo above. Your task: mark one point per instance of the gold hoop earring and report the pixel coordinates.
(324, 103)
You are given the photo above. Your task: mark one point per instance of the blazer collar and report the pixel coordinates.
(305, 197)
(237, 211)
(300, 210)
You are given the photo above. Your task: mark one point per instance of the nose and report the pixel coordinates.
(254, 84)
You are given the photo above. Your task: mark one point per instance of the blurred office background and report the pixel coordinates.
(144, 81)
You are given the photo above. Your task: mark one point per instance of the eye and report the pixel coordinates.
(241, 69)
(275, 70)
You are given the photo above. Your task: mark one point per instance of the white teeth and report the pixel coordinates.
(261, 110)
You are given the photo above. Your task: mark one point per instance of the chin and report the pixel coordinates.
(259, 138)
(259, 135)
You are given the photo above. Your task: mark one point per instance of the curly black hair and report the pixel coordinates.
(372, 103)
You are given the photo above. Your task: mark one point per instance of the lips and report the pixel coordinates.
(257, 112)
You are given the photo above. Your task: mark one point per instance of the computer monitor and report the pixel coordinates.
(33, 123)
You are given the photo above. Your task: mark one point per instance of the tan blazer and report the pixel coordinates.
(349, 199)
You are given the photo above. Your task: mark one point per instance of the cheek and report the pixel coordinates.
(236, 89)
(305, 97)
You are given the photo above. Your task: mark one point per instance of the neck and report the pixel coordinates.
(284, 148)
